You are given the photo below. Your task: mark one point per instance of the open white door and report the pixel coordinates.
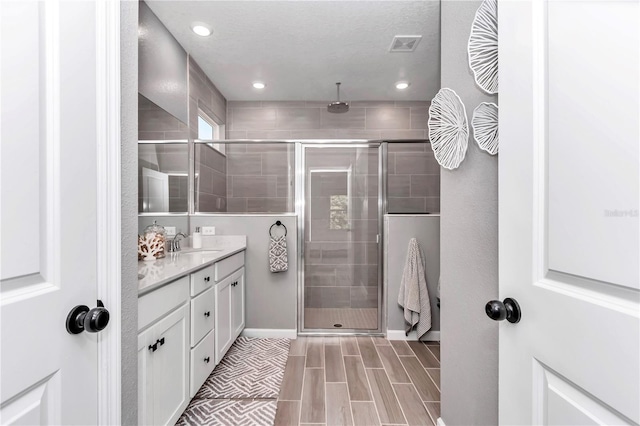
(569, 187)
(51, 194)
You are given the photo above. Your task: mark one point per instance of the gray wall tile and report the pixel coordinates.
(353, 119)
(268, 134)
(388, 118)
(327, 297)
(419, 118)
(244, 164)
(364, 297)
(399, 185)
(253, 118)
(236, 134)
(425, 185)
(403, 134)
(283, 104)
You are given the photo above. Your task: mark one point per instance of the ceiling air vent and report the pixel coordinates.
(405, 43)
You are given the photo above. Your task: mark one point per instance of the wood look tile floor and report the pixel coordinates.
(360, 381)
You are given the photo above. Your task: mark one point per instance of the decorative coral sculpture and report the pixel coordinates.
(150, 246)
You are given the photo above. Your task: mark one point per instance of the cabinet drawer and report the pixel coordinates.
(229, 265)
(202, 362)
(201, 280)
(157, 303)
(202, 315)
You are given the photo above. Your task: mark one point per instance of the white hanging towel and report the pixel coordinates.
(413, 295)
(278, 261)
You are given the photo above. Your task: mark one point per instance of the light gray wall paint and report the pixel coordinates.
(129, 209)
(271, 298)
(163, 66)
(398, 231)
(469, 248)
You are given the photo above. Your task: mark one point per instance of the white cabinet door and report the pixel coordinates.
(237, 303)
(163, 369)
(145, 377)
(569, 229)
(224, 338)
(171, 367)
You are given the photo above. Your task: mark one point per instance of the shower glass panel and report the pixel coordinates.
(341, 219)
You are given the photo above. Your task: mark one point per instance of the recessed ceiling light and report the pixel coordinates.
(201, 30)
(401, 85)
(259, 85)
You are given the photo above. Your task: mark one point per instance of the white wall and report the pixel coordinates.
(398, 230)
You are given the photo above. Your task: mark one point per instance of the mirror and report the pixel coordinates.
(163, 177)
(247, 178)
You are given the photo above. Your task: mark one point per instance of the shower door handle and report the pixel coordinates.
(377, 238)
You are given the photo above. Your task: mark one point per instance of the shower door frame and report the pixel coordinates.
(300, 203)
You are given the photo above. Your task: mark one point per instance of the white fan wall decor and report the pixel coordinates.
(448, 129)
(485, 126)
(483, 46)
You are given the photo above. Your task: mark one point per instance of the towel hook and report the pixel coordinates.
(278, 223)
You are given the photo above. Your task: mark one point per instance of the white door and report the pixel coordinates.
(569, 186)
(48, 211)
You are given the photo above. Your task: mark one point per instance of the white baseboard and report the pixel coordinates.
(440, 422)
(270, 332)
(432, 336)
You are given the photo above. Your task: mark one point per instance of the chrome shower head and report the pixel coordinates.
(338, 107)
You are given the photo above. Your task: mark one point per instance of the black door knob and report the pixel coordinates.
(81, 318)
(499, 311)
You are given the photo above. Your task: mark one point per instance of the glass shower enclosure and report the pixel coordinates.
(339, 207)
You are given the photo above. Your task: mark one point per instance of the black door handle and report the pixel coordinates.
(81, 318)
(499, 311)
(207, 314)
(207, 359)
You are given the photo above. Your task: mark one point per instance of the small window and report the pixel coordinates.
(205, 129)
(209, 130)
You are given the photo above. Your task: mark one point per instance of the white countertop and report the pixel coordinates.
(154, 274)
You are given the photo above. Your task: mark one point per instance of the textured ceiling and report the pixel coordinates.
(301, 48)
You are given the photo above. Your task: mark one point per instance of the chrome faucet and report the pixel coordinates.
(174, 244)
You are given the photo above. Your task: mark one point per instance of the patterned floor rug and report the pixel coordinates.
(227, 412)
(252, 368)
(243, 388)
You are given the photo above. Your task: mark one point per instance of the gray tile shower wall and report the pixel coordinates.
(154, 123)
(414, 174)
(210, 180)
(204, 96)
(341, 258)
(260, 178)
(413, 182)
(310, 120)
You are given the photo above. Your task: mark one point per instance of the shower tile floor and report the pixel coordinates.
(354, 318)
(360, 381)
